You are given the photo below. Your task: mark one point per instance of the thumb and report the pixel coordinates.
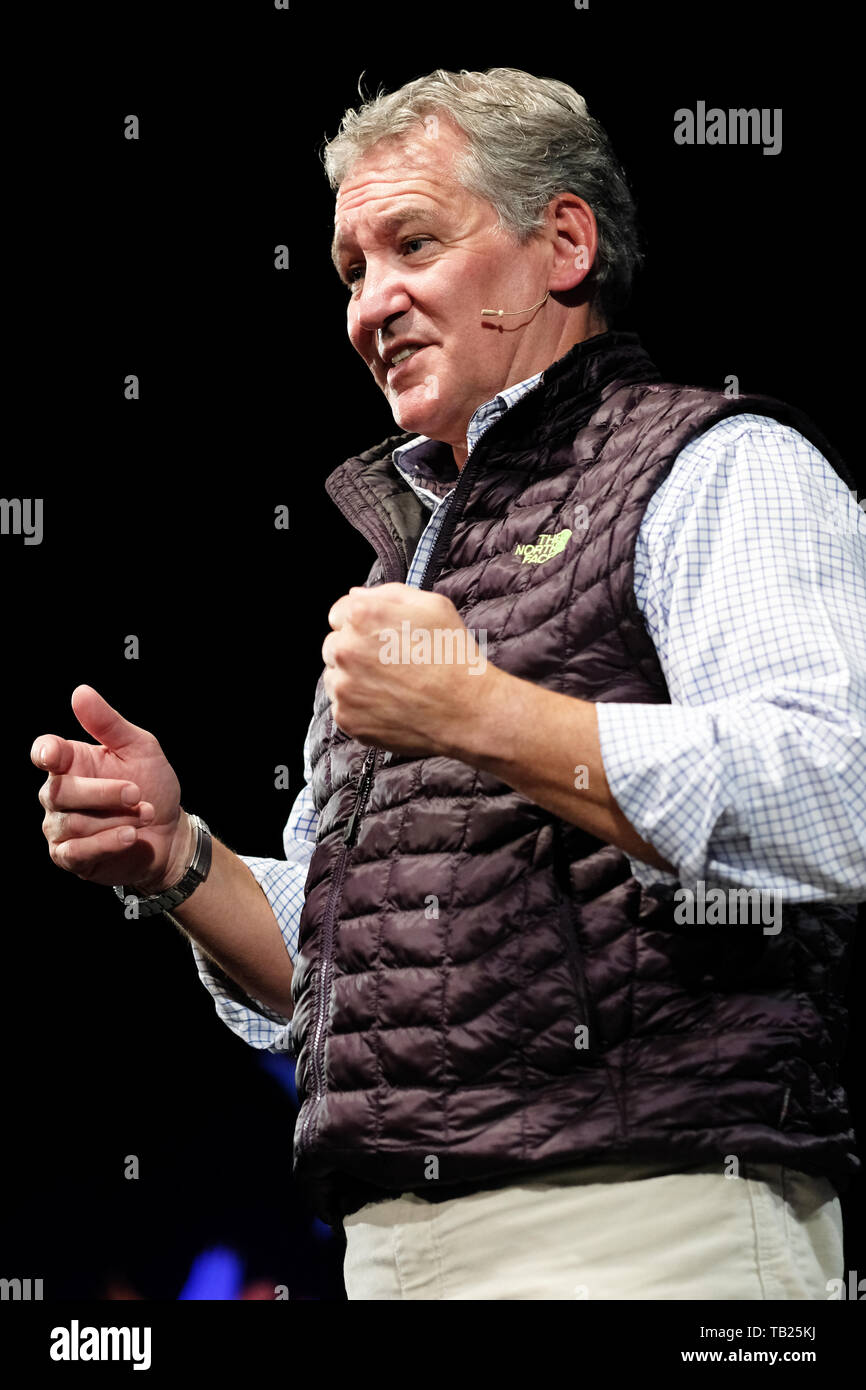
(99, 719)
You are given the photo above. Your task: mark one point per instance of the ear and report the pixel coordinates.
(574, 236)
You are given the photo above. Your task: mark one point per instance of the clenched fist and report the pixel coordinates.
(112, 808)
(403, 671)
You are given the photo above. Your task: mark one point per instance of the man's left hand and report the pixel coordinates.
(403, 670)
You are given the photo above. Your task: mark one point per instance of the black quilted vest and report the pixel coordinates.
(484, 991)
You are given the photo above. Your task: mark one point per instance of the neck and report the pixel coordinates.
(589, 325)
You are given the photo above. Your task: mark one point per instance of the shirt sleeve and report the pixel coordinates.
(282, 881)
(750, 571)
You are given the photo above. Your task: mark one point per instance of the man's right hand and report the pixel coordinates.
(96, 791)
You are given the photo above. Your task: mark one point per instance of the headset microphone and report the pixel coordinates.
(507, 313)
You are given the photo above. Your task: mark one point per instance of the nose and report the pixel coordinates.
(380, 298)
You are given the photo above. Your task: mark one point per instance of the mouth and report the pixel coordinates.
(402, 361)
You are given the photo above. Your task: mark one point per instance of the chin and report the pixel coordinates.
(414, 412)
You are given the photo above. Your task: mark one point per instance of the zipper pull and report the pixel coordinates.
(350, 828)
(352, 825)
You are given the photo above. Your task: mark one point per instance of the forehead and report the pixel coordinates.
(414, 169)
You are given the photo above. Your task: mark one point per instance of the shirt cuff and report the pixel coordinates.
(254, 1021)
(661, 763)
(257, 1024)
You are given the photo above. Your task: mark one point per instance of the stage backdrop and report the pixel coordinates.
(188, 249)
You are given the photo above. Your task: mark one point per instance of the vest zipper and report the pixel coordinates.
(446, 530)
(361, 799)
(366, 781)
(327, 957)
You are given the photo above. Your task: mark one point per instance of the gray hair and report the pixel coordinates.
(528, 139)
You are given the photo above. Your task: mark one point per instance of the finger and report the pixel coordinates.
(59, 826)
(329, 650)
(85, 857)
(368, 606)
(89, 794)
(52, 752)
(361, 604)
(101, 721)
(379, 595)
(393, 589)
(339, 612)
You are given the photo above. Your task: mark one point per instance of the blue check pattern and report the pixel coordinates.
(750, 571)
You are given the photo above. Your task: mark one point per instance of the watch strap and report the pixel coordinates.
(197, 872)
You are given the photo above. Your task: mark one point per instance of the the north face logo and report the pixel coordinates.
(536, 552)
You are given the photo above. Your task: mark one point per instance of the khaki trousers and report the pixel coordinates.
(607, 1232)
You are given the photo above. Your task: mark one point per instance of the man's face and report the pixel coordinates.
(422, 257)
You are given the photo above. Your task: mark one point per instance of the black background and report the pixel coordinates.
(156, 257)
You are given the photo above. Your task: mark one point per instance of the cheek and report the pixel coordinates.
(354, 331)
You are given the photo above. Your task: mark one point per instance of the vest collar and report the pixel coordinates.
(378, 501)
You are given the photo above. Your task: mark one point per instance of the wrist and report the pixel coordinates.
(478, 732)
(181, 857)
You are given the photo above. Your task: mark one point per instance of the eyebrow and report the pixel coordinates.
(389, 223)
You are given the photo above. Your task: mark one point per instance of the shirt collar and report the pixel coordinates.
(424, 470)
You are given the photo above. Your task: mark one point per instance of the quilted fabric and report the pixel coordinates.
(483, 990)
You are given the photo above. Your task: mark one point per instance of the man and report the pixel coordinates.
(605, 668)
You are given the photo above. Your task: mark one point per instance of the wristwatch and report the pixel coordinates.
(197, 872)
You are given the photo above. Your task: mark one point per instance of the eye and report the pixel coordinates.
(354, 272)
